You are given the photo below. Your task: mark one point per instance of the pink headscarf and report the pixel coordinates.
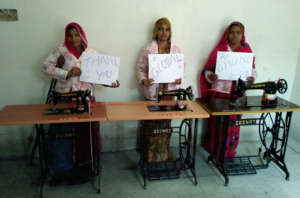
(82, 35)
(221, 46)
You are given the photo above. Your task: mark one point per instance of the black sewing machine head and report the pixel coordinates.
(181, 98)
(270, 88)
(81, 98)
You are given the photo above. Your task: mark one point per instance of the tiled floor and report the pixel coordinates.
(120, 179)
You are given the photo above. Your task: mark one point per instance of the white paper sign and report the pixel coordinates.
(165, 68)
(234, 65)
(99, 69)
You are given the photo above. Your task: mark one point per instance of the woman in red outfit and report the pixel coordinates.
(233, 40)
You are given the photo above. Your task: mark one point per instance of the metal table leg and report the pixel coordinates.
(188, 145)
(218, 156)
(42, 156)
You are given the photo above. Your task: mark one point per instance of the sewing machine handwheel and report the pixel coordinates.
(282, 86)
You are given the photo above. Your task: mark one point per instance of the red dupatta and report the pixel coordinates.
(221, 46)
(82, 35)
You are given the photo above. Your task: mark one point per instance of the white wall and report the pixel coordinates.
(122, 28)
(295, 124)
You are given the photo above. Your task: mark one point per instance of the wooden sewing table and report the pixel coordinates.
(34, 115)
(272, 124)
(139, 111)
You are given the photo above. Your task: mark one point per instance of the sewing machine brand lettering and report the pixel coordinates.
(258, 86)
(166, 68)
(162, 131)
(99, 69)
(243, 122)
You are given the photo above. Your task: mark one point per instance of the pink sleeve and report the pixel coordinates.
(142, 66)
(49, 66)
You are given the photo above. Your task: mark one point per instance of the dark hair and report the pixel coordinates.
(71, 27)
(237, 24)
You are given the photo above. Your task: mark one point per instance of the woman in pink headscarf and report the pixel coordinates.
(64, 65)
(233, 40)
(64, 62)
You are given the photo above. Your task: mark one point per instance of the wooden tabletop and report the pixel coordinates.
(139, 111)
(252, 105)
(34, 114)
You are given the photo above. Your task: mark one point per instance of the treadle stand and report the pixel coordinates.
(96, 166)
(171, 169)
(275, 128)
(41, 143)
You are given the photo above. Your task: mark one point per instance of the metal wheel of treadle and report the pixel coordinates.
(184, 144)
(267, 131)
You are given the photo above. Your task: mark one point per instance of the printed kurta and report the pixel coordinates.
(66, 85)
(71, 153)
(143, 68)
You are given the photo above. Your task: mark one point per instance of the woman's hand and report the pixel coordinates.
(178, 81)
(148, 82)
(212, 77)
(75, 71)
(115, 84)
(250, 80)
(60, 61)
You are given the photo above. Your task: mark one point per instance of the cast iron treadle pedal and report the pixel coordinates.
(164, 170)
(239, 166)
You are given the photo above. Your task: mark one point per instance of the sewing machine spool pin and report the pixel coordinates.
(181, 99)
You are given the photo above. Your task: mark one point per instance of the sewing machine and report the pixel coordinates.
(79, 102)
(181, 96)
(270, 88)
